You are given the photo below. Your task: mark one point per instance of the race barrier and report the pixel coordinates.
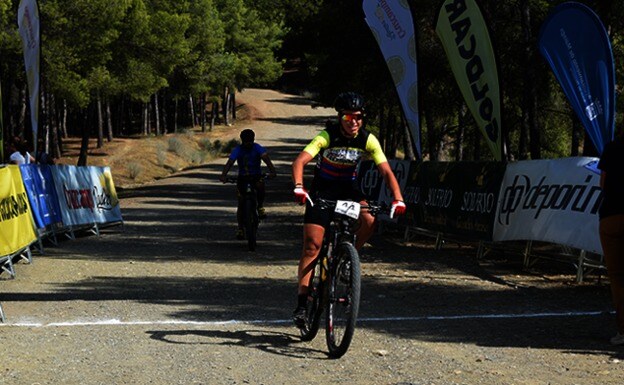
(554, 201)
(87, 196)
(17, 228)
(38, 201)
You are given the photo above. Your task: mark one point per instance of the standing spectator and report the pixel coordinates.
(19, 152)
(612, 225)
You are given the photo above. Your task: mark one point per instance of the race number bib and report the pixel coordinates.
(348, 208)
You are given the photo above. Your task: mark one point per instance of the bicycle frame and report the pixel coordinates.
(247, 208)
(339, 265)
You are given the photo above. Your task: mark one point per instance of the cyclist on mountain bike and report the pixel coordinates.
(248, 156)
(341, 147)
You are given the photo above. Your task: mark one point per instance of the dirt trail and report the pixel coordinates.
(172, 298)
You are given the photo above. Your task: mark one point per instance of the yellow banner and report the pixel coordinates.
(17, 229)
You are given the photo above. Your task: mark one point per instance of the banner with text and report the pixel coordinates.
(575, 43)
(550, 200)
(456, 198)
(86, 195)
(373, 185)
(391, 23)
(17, 229)
(41, 194)
(466, 41)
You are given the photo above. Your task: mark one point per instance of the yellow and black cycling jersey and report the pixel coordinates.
(340, 156)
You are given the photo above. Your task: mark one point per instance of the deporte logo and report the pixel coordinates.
(524, 194)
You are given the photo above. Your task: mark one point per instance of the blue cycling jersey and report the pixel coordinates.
(248, 159)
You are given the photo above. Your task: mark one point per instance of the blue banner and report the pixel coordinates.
(42, 196)
(575, 43)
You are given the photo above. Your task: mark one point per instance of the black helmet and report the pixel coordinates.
(247, 135)
(350, 101)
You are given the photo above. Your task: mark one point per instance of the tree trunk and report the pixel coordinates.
(408, 146)
(164, 121)
(84, 144)
(461, 129)
(156, 114)
(109, 122)
(64, 120)
(203, 112)
(529, 108)
(175, 116)
(213, 114)
(192, 110)
(100, 120)
(233, 104)
(145, 119)
(226, 107)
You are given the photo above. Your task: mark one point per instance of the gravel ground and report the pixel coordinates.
(172, 298)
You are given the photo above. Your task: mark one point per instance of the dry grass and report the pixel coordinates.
(138, 160)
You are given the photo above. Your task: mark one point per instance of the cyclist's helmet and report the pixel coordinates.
(349, 101)
(247, 135)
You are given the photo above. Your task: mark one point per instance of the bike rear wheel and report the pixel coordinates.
(344, 299)
(314, 308)
(251, 224)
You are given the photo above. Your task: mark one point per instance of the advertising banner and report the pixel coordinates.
(41, 194)
(575, 43)
(1, 131)
(456, 198)
(391, 23)
(28, 22)
(16, 224)
(550, 200)
(373, 185)
(86, 195)
(466, 41)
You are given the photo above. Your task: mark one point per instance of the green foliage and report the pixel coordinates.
(228, 147)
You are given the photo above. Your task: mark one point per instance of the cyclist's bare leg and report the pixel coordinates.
(366, 228)
(312, 242)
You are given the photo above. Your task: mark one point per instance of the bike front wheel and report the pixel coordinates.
(314, 307)
(344, 299)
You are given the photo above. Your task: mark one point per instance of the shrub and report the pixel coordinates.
(134, 169)
(161, 156)
(175, 144)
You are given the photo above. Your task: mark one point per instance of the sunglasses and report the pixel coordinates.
(349, 117)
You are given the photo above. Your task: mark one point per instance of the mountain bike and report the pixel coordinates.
(336, 278)
(249, 210)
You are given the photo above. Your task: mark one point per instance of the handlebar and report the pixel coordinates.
(374, 208)
(231, 180)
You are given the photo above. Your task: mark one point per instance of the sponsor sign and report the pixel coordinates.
(391, 23)
(550, 200)
(575, 43)
(456, 198)
(86, 195)
(17, 229)
(466, 41)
